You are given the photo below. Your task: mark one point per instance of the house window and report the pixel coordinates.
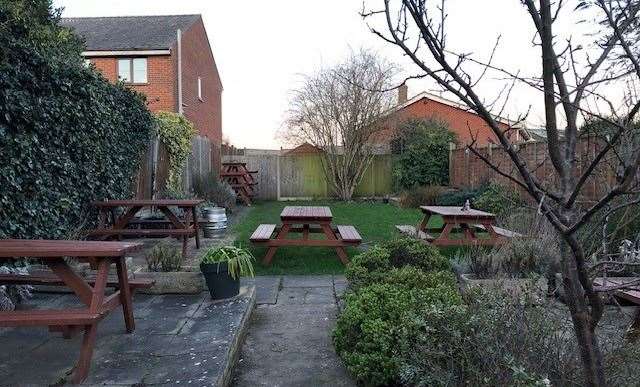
(132, 70)
(200, 88)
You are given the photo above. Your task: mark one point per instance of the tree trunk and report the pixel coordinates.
(584, 328)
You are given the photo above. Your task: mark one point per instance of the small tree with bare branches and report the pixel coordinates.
(577, 82)
(337, 109)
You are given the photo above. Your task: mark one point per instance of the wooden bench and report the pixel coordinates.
(142, 232)
(263, 233)
(500, 231)
(349, 234)
(51, 317)
(49, 279)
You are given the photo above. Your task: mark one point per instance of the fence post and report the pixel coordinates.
(278, 175)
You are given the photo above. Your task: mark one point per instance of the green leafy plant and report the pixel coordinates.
(378, 323)
(67, 135)
(175, 133)
(164, 257)
(375, 264)
(239, 261)
(212, 189)
(424, 153)
(498, 199)
(458, 198)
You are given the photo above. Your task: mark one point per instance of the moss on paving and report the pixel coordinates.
(375, 221)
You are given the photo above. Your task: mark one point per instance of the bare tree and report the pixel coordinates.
(575, 83)
(337, 109)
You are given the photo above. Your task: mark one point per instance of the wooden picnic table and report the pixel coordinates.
(111, 225)
(306, 220)
(469, 221)
(92, 294)
(240, 179)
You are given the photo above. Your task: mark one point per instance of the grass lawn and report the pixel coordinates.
(374, 221)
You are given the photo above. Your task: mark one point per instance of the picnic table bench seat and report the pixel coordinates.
(500, 231)
(49, 279)
(263, 233)
(50, 317)
(349, 234)
(141, 232)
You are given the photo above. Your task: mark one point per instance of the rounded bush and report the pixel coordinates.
(412, 252)
(377, 325)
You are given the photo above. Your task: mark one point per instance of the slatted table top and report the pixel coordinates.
(149, 202)
(456, 211)
(41, 248)
(306, 213)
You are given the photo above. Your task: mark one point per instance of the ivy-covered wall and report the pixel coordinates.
(67, 136)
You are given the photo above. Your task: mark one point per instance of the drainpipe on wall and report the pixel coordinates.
(179, 45)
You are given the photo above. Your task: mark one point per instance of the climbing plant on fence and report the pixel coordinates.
(424, 153)
(175, 132)
(67, 136)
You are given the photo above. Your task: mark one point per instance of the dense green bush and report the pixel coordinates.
(498, 199)
(458, 198)
(374, 265)
(175, 133)
(67, 136)
(409, 251)
(378, 324)
(424, 157)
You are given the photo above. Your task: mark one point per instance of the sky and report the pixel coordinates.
(262, 48)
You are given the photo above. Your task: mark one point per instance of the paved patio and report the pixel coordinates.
(289, 337)
(179, 339)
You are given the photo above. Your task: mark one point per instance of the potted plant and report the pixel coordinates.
(165, 266)
(222, 268)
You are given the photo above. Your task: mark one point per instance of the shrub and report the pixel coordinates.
(498, 199)
(164, 257)
(496, 341)
(424, 157)
(374, 265)
(67, 136)
(409, 251)
(421, 196)
(175, 133)
(377, 322)
(210, 188)
(368, 267)
(458, 198)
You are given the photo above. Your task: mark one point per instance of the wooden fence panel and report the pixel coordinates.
(302, 175)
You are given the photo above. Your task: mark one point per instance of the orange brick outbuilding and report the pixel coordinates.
(464, 123)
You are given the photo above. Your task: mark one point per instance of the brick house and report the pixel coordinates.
(168, 58)
(460, 120)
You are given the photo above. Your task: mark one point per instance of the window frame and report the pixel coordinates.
(130, 61)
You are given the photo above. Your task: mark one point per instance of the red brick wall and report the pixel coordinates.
(198, 61)
(462, 123)
(161, 81)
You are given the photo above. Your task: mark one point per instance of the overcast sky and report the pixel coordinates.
(262, 47)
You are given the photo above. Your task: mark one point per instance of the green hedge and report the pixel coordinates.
(391, 286)
(424, 153)
(67, 136)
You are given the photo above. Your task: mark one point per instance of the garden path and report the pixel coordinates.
(289, 337)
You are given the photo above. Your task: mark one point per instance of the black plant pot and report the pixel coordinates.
(219, 282)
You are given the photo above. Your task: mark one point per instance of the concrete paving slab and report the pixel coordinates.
(304, 296)
(309, 281)
(289, 342)
(179, 338)
(267, 288)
